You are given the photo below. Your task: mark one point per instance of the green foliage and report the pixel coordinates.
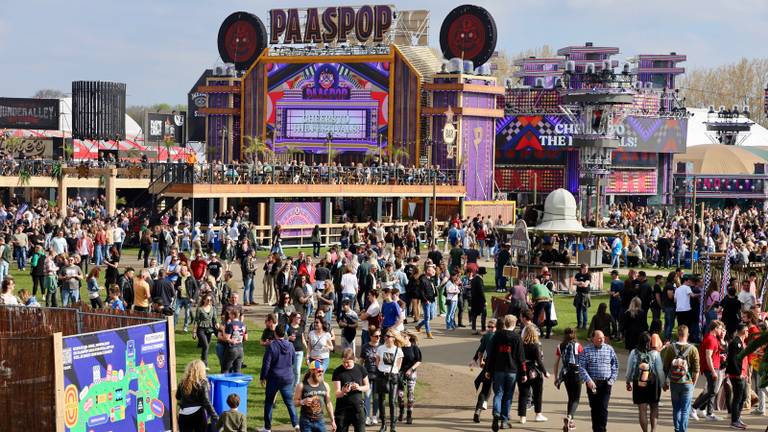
(256, 147)
(24, 177)
(56, 170)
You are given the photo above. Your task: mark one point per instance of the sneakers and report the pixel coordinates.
(540, 417)
(758, 412)
(368, 421)
(738, 425)
(700, 412)
(712, 417)
(522, 420)
(429, 335)
(297, 428)
(476, 417)
(374, 420)
(694, 416)
(264, 430)
(485, 405)
(495, 424)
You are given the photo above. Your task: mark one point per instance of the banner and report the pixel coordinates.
(297, 213)
(118, 380)
(27, 113)
(160, 126)
(27, 148)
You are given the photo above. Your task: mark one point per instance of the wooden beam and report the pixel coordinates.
(218, 89)
(475, 112)
(220, 111)
(305, 190)
(469, 88)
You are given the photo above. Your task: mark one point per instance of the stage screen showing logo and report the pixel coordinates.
(118, 380)
(310, 104)
(288, 214)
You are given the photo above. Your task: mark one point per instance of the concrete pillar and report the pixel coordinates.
(110, 188)
(223, 206)
(427, 207)
(398, 210)
(379, 203)
(271, 212)
(179, 208)
(62, 195)
(211, 212)
(328, 219)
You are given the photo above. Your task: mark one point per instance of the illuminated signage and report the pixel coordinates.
(315, 25)
(317, 124)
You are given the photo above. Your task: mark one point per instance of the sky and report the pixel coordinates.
(160, 47)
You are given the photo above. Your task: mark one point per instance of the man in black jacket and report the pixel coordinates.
(504, 363)
(125, 282)
(477, 300)
(427, 293)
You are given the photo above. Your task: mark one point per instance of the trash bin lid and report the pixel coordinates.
(231, 377)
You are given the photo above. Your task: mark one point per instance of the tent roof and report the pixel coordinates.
(723, 159)
(698, 135)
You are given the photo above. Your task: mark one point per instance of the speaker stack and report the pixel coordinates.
(98, 110)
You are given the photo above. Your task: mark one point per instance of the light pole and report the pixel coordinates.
(328, 139)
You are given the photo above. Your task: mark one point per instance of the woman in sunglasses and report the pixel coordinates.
(389, 359)
(368, 357)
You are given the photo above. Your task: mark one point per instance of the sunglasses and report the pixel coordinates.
(387, 337)
(376, 335)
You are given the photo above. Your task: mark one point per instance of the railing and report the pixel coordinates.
(307, 174)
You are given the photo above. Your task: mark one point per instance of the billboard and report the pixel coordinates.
(118, 380)
(195, 101)
(541, 133)
(27, 113)
(27, 148)
(632, 182)
(309, 103)
(297, 213)
(160, 126)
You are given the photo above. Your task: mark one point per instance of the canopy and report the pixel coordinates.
(722, 159)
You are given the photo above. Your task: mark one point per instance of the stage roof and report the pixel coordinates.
(723, 159)
(423, 59)
(697, 131)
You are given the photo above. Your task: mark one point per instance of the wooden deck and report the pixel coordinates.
(305, 190)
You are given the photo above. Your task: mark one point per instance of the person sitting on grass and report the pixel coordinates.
(232, 420)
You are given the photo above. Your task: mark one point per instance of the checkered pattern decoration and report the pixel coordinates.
(521, 179)
(707, 280)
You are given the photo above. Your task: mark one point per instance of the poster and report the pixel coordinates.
(297, 213)
(161, 126)
(117, 380)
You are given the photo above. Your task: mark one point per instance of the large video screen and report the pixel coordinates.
(310, 103)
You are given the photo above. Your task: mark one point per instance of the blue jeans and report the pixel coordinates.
(615, 260)
(429, 312)
(681, 405)
(503, 389)
(21, 257)
(450, 316)
(298, 360)
(581, 316)
(184, 305)
(371, 399)
(481, 246)
(286, 392)
(307, 425)
(669, 322)
(67, 297)
(4, 269)
(248, 289)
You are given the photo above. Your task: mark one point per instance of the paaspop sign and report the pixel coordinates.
(317, 25)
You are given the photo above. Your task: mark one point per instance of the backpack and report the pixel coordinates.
(568, 355)
(678, 370)
(643, 369)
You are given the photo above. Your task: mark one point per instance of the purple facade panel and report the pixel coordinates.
(477, 139)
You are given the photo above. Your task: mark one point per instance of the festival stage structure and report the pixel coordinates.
(347, 109)
(535, 148)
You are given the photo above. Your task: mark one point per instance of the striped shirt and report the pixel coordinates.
(598, 364)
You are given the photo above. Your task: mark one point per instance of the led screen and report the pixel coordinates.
(308, 102)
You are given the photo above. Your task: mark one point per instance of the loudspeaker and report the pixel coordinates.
(98, 110)
(759, 168)
(684, 167)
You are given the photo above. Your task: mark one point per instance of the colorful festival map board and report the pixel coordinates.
(117, 380)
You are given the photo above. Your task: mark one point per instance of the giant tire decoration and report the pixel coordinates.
(468, 32)
(242, 38)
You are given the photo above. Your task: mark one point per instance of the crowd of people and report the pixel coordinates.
(373, 295)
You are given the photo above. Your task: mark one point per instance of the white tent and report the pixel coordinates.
(698, 135)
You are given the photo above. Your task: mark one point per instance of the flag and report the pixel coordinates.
(705, 288)
(726, 273)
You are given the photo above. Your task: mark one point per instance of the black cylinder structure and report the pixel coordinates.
(98, 110)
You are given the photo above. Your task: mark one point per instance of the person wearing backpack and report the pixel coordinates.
(645, 375)
(567, 369)
(681, 370)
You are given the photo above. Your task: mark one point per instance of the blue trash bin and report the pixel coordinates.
(222, 385)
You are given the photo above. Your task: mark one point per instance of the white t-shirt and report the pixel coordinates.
(682, 298)
(747, 300)
(388, 359)
(318, 345)
(349, 284)
(373, 310)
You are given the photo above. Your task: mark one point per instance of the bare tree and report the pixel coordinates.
(740, 83)
(48, 94)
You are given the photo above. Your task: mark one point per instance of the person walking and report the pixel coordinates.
(368, 360)
(541, 298)
(407, 382)
(599, 369)
(193, 396)
(567, 369)
(736, 369)
(320, 343)
(681, 369)
(634, 322)
(277, 376)
(295, 334)
(205, 326)
(645, 376)
(233, 334)
(533, 387)
(389, 359)
(709, 363)
(477, 302)
(582, 300)
(427, 293)
(313, 396)
(481, 382)
(350, 383)
(452, 291)
(505, 361)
